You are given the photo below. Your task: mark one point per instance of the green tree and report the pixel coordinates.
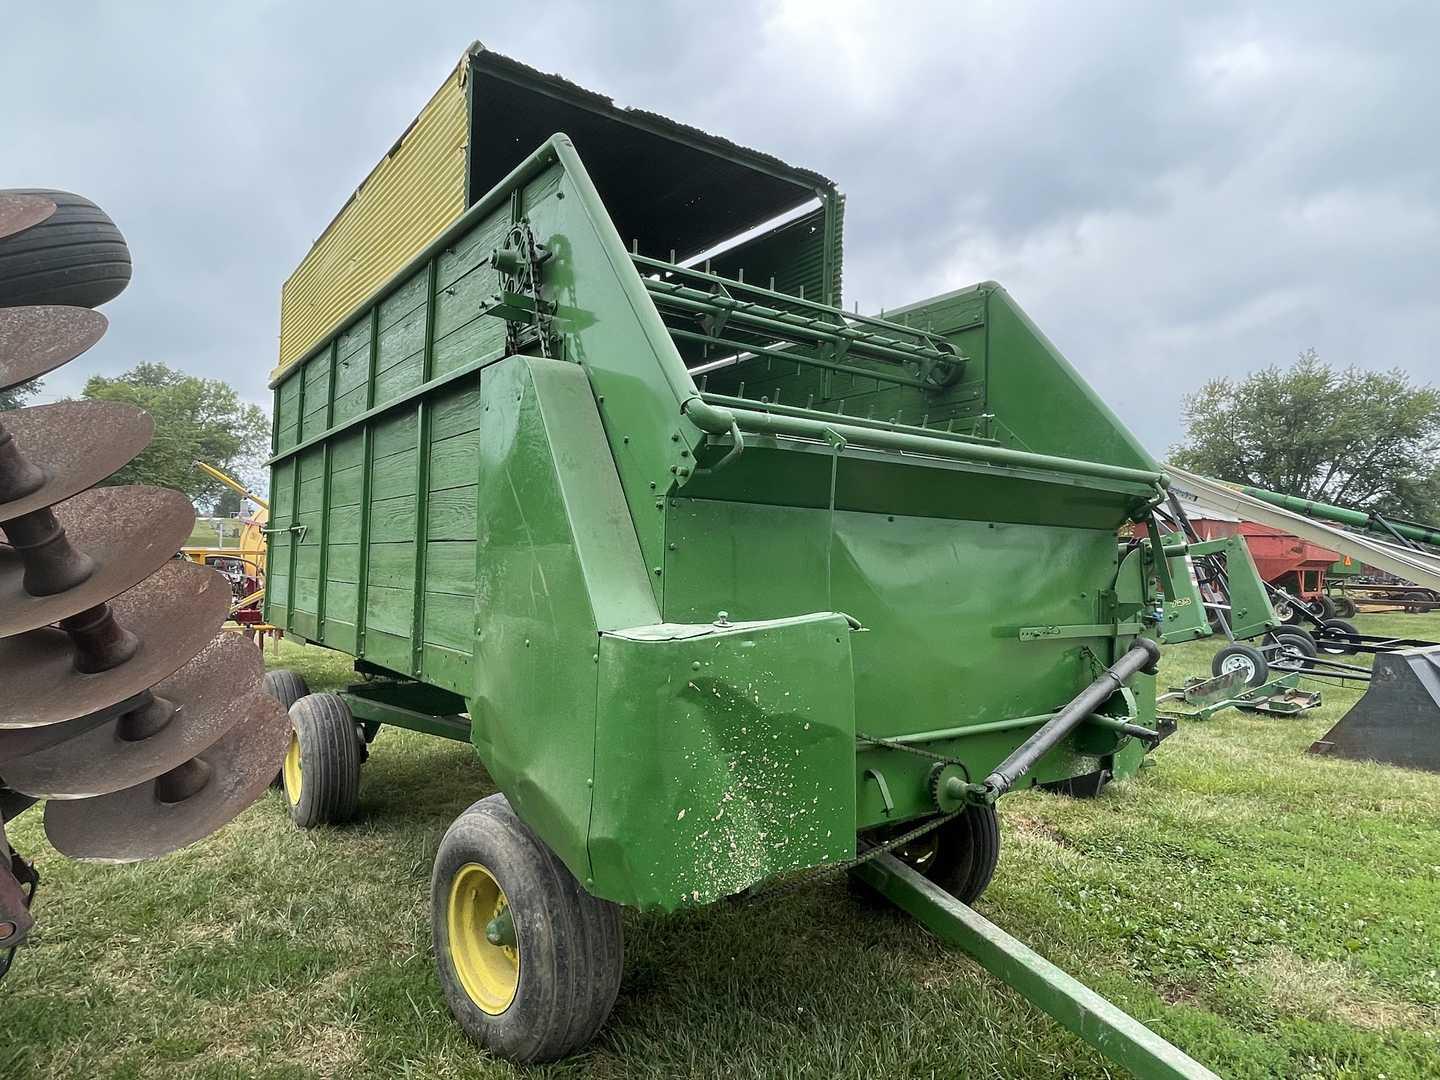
(17, 396)
(194, 418)
(1354, 438)
(227, 504)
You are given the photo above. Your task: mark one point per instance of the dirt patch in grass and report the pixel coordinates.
(1329, 989)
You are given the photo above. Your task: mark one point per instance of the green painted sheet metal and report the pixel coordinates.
(723, 757)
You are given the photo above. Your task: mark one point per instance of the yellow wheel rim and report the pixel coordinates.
(294, 775)
(489, 973)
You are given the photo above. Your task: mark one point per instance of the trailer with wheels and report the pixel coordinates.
(724, 585)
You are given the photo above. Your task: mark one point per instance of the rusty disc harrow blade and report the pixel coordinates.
(139, 823)
(20, 212)
(39, 338)
(130, 532)
(200, 700)
(174, 613)
(76, 443)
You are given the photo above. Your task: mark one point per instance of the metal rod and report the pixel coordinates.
(815, 414)
(1143, 654)
(964, 730)
(786, 298)
(774, 351)
(780, 322)
(1075, 1006)
(763, 423)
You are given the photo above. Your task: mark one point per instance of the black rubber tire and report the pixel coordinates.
(968, 849)
(1298, 639)
(1240, 653)
(1324, 608)
(1287, 612)
(329, 761)
(1336, 648)
(571, 946)
(287, 688)
(1345, 607)
(76, 256)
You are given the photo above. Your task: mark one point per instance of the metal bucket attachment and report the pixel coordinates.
(1397, 722)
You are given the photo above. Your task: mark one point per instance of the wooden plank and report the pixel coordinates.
(456, 409)
(404, 300)
(466, 339)
(450, 621)
(393, 476)
(345, 485)
(393, 434)
(450, 567)
(404, 339)
(388, 650)
(455, 462)
(343, 563)
(452, 514)
(395, 381)
(350, 403)
(346, 523)
(394, 519)
(389, 611)
(392, 565)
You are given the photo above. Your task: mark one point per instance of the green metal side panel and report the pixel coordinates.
(558, 563)
(723, 757)
(943, 603)
(1041, 403)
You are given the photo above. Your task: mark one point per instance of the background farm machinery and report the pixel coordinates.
(242, 564)
(1397, 721)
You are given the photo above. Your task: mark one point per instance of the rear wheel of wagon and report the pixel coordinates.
(529, 962)
(1345, 607)
(321, 773)
(286, 687)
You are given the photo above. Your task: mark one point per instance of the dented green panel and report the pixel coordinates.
(723, 756)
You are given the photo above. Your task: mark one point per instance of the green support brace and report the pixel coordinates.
(1116, 1034)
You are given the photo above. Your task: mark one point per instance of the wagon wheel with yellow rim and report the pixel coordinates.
(286, 687)
(320, 776)
(530, 962)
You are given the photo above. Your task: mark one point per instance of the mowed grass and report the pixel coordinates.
(1272, 913)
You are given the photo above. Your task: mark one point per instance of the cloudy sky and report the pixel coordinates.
(1172, 191)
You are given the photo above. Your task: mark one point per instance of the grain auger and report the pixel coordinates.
(141, 729)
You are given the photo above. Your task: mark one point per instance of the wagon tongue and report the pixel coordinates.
(1397, 722)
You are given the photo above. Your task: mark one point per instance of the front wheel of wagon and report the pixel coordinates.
(529, 962)
(321, 772)
(959, 856)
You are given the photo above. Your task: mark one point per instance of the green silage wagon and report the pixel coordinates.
(722, 582)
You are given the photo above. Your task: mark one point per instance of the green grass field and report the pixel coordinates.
(1272, 913)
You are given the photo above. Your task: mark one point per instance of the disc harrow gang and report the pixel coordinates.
(122, 704)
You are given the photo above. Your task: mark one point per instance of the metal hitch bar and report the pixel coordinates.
(1142, 656)
(1115, 1033)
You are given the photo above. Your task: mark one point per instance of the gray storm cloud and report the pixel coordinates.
(1172, 191)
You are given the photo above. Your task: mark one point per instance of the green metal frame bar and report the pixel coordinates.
(378, 712)
(729, 402)
(1115, 1033)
